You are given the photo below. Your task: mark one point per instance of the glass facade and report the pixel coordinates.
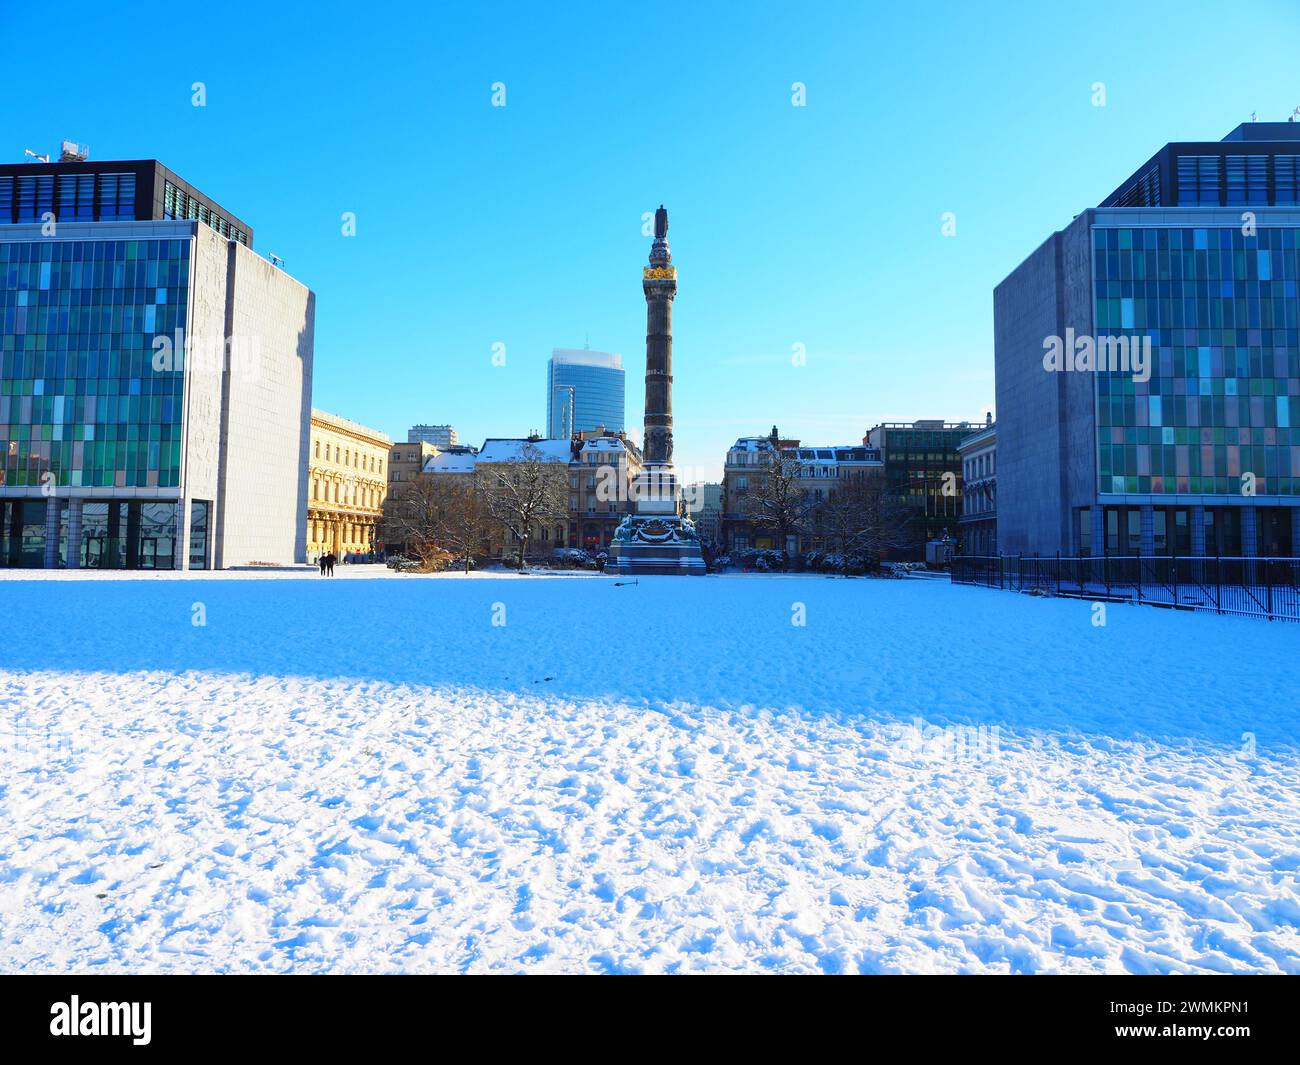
(84, 197)
(80, 399)
(1223, 399)
(179, 204)
(1236, 180)
(924, 469)
(597, 398)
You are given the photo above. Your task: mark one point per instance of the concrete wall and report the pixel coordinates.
(1046, 446)
(202, 412)
(267, 426)
(1078, 454)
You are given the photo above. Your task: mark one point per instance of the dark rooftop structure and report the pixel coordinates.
(111, 191)
(1256, 165)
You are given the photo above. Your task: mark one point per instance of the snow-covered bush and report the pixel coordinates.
(575, 558)
(851, 564)
(760, 559)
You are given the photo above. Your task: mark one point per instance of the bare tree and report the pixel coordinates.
(524, 493)
(463, 528)
(779, 500)
(861, 519)
(411, 518)
(437, 519)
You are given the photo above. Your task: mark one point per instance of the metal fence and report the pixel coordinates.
(1253, 587)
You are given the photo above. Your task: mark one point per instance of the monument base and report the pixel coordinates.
(655, 544)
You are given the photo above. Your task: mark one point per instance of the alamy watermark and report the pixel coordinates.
(1099, 354)
(242, 355)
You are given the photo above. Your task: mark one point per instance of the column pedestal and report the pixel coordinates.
(52, 505)
(1249, 531)
(1098, 517)
(1147, 530)
(1198, 531)
(74, 533)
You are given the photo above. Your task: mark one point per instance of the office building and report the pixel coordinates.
(139, 190)
(155, 377)
(584, 392)
(1148, 362)
(440, 436)
(923, 469)
(704, 507)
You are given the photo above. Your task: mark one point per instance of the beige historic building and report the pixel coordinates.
(822, 470)
(600, 466)
(406, 462)
(347, 480)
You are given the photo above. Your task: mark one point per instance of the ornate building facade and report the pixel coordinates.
(822, 470)
(978, 526)
(347, 481)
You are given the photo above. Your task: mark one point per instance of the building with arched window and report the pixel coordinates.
(347, 480)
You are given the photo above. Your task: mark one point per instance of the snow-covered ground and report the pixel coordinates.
(540, 774)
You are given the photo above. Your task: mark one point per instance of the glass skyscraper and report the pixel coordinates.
(1195, 260)
(584, 392)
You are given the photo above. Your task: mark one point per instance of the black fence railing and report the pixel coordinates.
(1254, 587)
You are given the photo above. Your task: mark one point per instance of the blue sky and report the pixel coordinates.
(521, 225)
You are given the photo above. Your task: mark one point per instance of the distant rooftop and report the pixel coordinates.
(1265, 131)
(1256, 165)
(337, 421)
(499, 449)
(610, 360)
(81, 190)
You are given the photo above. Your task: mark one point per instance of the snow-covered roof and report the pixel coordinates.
(603, 443)
(752, 443)
(837, 453)
(451, 462)
(512, 450)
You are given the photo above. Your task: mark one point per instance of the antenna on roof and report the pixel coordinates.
(1291, 118)
(38, 158)
(1252, 117)
(275, 259)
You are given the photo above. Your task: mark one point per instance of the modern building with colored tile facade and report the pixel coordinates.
(1148, 363)
(348, 481)
(977, 528)
(155, 378)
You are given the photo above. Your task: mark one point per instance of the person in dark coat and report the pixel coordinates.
(321, 563)
(329, 564)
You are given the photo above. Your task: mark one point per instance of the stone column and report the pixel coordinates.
(181, 539)
(133, 535)
(74, 533)
(1098, 515)
(1147, 528)
(1198, 530)
(1249, 531)
(52, 505)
